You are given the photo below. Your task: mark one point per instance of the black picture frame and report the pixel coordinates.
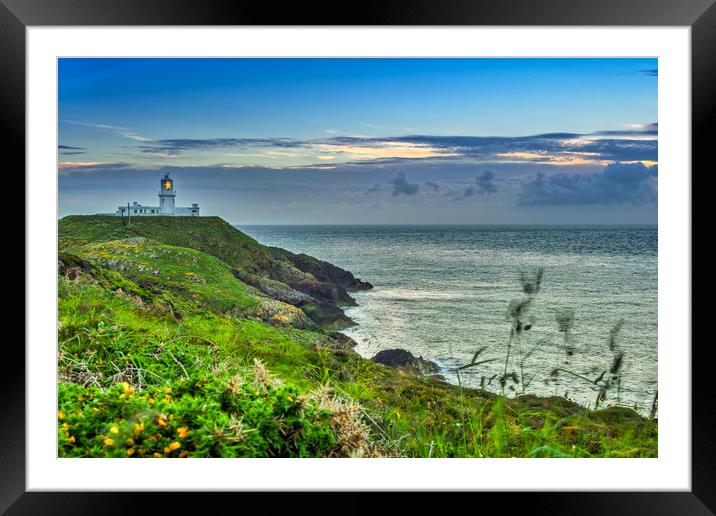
(699, 15)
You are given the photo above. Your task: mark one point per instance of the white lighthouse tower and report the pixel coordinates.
(166, 204)
(166, 195)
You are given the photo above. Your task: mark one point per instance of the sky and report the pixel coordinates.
(364, 141)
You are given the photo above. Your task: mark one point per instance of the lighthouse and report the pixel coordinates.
(166, 204)
(166, 195)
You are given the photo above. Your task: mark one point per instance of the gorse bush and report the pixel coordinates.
(197, 417)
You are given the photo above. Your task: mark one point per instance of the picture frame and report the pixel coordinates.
(17, 15)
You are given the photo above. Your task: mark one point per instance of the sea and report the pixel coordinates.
(444, 293)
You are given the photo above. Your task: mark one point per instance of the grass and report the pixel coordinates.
(139, 347)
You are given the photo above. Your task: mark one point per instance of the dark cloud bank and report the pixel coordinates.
(618, 183)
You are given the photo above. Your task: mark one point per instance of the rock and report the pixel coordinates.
(343, 339)
(71, 265)
(136, 240)
(405, 361)
(324, 272)
(274, 289)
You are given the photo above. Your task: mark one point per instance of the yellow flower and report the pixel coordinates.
(127, 389)
(114, 430)
(161, 420)
(72, 439)
(138, 428)
(60, 414)
(167, 390)
(167, 397)
(182, 432)
(290, 398)
(157, 455)
(183, 454)
(173, 446)
(65, 427)
(130, 452)
(129, 442)
(108, 441)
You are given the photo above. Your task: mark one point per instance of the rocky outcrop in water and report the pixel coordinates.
(405, 361)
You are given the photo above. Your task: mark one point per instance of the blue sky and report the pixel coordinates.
(364, 140)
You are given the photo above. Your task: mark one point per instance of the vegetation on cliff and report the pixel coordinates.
(183, 337)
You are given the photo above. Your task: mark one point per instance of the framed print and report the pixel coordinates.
(447, 249)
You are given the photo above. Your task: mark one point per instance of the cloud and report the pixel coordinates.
(73, 167)
(637, 142)
(402, 186)
(374, 149)
(618, 183)
(125, 132)
(485, 184)
(176, 146)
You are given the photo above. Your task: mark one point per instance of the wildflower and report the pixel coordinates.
(108, 441)
(130, 452)
(289, 398)
(173, 446)
(157, 455)
(138, 428)
(127, 389)
(72, 439)
(182, 432)
(114, 430)
(167, 390)
(161, 420)
(167, 397)
(129, 442)
(60, 414)
(183, 454)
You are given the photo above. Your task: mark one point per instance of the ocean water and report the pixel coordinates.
(442, 292)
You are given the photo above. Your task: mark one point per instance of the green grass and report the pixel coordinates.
(271, 272)
(212, 235)
(198, 281)
(139, 347)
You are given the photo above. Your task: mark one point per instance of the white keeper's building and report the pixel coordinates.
(166, 207)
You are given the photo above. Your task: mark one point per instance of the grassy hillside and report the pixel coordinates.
(164, 351)
(318, 293)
